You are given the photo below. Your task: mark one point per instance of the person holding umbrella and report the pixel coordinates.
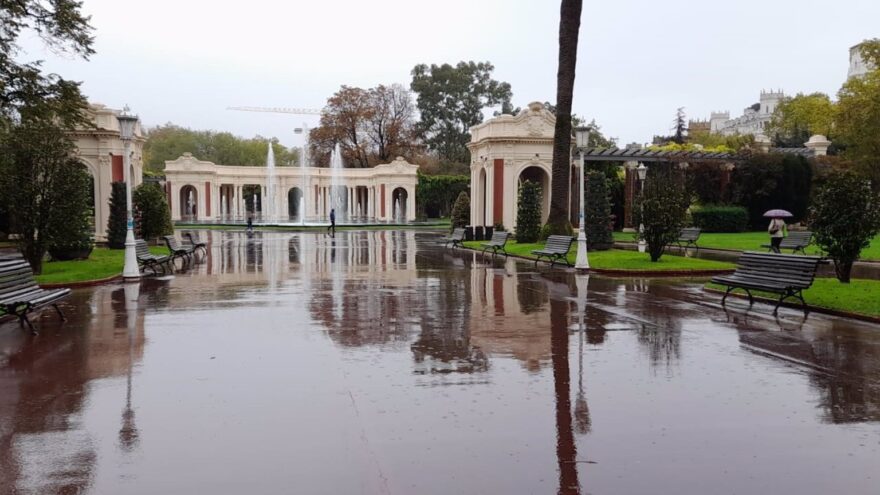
(777, 228)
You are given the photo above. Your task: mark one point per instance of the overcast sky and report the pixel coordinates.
(185, 61)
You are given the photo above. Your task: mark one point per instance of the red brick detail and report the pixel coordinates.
(382, 199)
(116, 168)
(207, 199)
(498, 199)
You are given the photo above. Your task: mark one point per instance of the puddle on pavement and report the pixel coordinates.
(379, 362)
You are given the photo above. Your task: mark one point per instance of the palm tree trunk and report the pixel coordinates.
(569, 26)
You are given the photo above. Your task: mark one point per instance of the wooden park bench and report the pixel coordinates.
(178, 250)
(784, 274)
(456, 238)
(146, 259)
(20, 294)
(796, 241)
(688, 238)
(195, 241)
(555, 249)
(496, 244)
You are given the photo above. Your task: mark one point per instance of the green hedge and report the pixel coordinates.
(720, 218)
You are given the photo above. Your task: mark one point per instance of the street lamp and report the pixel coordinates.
(642, 171)
(582, 141)
(126, 132)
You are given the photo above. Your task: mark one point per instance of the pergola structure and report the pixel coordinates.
(508, 149)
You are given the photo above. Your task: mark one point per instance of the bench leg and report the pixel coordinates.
(723, 299)
(60, 313)
(23, 320)
(751, 299)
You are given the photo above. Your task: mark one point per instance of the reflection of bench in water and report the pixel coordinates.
(784, 274)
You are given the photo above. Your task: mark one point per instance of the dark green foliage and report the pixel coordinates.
(704, 181)
(169, 142)
(844, 217)
(528, 212)
(117, 223)
(715, 218)
(71, 228)
(597, 209)
(451, 100)
(44, 189)
(773, 180)
(662, 208)
(152, 215)
(461, 211)
(435, 194)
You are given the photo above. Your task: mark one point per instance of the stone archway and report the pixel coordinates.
(535, 173)
(188, 201)
(398, 204)
(294, 194)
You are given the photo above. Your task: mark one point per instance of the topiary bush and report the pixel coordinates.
(528, 212)
(71, 231)
(661, 208)
(597, 209)
(153, 217)
(461, 211)
(844, 217)
(117, 223)
(715, 218)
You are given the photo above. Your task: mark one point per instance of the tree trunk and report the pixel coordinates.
(843, 270)
(569, 25)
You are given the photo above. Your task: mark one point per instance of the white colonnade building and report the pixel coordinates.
(202, 191)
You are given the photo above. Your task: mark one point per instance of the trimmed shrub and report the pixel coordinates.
(71, 230)
(461, 211)
(597, 209)
(714, 218)
(528, 212)
(662, 209)
(152, 215)
(117, 223)
(844, 217)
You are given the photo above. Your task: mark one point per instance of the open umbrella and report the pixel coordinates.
(778, 214)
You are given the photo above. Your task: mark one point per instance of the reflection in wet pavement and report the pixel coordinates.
(378, 362)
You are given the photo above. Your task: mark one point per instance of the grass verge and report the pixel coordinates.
(619, 259)
(752, 241)
(103, 263)
(859, 296)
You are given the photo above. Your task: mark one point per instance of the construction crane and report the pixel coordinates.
(295, 111)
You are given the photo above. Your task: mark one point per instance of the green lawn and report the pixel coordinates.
(103, 263)
(751, 241)
(619, 259)
(859, 296)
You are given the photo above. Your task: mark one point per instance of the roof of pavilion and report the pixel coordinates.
(648, 155)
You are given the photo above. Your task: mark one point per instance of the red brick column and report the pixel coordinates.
(207, 199)
(382, 200)
(116, 165)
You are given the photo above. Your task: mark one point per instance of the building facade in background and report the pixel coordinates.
(754, 119)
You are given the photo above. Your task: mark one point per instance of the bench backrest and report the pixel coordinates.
(141, 249)
(499, 238)
(457, 234)
(558, 243)
(172, 243)
(796, 240)
(15, 275)
(689, 234)
(792, 269)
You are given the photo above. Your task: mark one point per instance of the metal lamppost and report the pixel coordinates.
(582, 141)
(642, 171)
(126, 132)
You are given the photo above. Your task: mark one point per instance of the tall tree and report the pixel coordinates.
(569, 27)
(25, 92)
(451, 101)
(857, 121)
(797, 118)
(679, 135)
(391, 125)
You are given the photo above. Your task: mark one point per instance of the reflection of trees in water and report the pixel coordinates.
(662, 343)
(846, 369)
(294, 249)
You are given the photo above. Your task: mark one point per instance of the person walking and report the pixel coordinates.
(777, 230)
(332, 228)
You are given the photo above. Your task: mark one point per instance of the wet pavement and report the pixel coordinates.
(378, 362)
